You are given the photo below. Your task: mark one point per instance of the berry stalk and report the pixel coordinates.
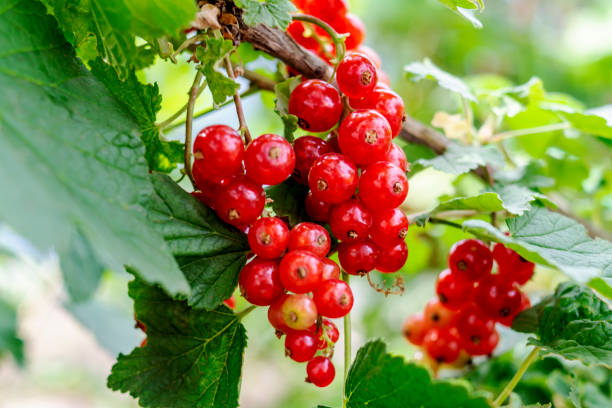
(347, 344)
(516, 378)
(193, 94)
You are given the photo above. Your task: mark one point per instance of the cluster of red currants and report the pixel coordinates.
(471, 299)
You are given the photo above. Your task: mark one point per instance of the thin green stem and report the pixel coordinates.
(469, 119)
(241, 315)
(434, 220)
(517, 377)
(529, 131)
(347, 344)
(336, 38)
(193, 94)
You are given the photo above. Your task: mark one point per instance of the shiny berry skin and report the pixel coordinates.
(310, 237)
(268, 237)
(364, 135)
(436, 315)
(317, 105)
(352, 25)
(371, 54)
(387, 103)
(240, 202)
(511, 266)
(442, 345)
(396, 156)
(299, 312)
(356, 75)
(333, 178)
(230, 302)
(300, 271)
(327, 10)
(320, 371)
(350, 220)
(218, 151)
(357, 257)
(382, 186)
(331, 331)
(383, 80)
(316, 209)
(472, 258)
(332, 141)
(497, 299)
(300, 346)
(392, 259)
(454, 290)
(389, 228)
(476, 331)
(334, 298)
(329, 269)
(260, 283)
(525, 304)
(269, 159)
(415, 328)
(307, 150)
(275, 315)
(296, 31)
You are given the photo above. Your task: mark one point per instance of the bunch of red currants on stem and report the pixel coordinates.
(470, 300)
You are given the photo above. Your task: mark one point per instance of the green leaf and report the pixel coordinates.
(74, 20)
(192, 359)
(379, 380)
(517, 199)
(575, 324)
(273, 13)
(288, 200)
(465, 9)
(459, 159)
(281, 105)
(156, 18)
(9, 341)
(552, 239)
(81, 268)
(143, 102)
(74, 156)
(418, 71)
(210, 253)
(221, 87)
(588, 122)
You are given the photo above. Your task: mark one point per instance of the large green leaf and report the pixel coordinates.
(574, 323)
(221, 87)
(549, 238)
(379, 380)
(417, 71)
(459, 159)
(193, 359)
(210, 253)
(273, 13)
(9, 341)
(70, 157)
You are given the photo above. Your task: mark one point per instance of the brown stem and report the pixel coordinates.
(396, 289)
(244, 129)
(193, 95)
(261, 81)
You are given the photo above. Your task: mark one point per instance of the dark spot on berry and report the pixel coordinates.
(503, 312)
(321, 185)
(233, 214)
(274, 153)
(443, 299)
(398, 188)
(435, 317)
(265, 239)
(366, 77)
(403, 233)
(301, 272)
(303, 124)
(462, 265)
(343, 300)
(352, 234)
(371, 137)
(475, 339)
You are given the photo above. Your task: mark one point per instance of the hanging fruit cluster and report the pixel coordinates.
(471, 299)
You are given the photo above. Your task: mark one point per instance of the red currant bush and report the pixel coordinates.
(299, 312)
(350, 220)
(497, 299)
(334, 298)
(218, 152)
(511, 266)
(241, 201)
(442, 345)
(415, 328)
(269, 159)
(333, 178)
(310, 237)
(454, 289)
(316, 209)
(436, 315)
(268, 237)
(389, 228)
(364, 135)
(357, 257)
(392, 259)
(382, 186)
(307, 150)
(321, 371)
(260, 283)
(472, 258)
(396, 156)
(317, 105)
(329, 269)
(300, 271)
(300, 346)
(356, 75)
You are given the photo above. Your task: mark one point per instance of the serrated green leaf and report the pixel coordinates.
(588, 122)
(603, 286)
(288, 200)
(465, 8)
(459, 159)
(9, 340)
(517, 199)
(156, 18)
(143, 102)
(417, 71)
(192, 359)
(273, 13)
(216, 49)
(73, 155)
(379, 380)
(221, 87)
(81, 268)
(549, 238)
(210, 253)
(283, 91)
(74, 20)
(575, 324)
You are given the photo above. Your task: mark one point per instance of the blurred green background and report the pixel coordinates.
(567, 43)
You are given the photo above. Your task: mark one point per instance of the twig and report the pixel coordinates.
(516, 378)
(261, 81)
(529, 131)
(193, 94)
(347, 344)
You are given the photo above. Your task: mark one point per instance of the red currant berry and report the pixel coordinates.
(333, 178)
(383, 80)
(392, 259)
(297, 31)
(300, 346)
(472, 258)
(436, 315)
(268, 237)
(320, 371)
(317, 105)
(454, 290)
(350, 220)
(331, 331)
(230, 302)
(334, 298)
(371, 54)
(498, 300)
(328, 10)
(415, 328)
(382, 186)
(389, 228)
(316, 209)
(396, 156)
(275, 315)
(269, 159)
(300, 271)
(329, 269)
(241, 201)
(525, 304)
(260, 283)
(356, 75)
(364, 135)
(357, 257)
(218, 151)
(476, 331)
(299, 312)
(353, 26)
(310, 237)
(442, 345)
(332, 141)
(511, 266)
(390, 105)
(307, 150)
(207, 194)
